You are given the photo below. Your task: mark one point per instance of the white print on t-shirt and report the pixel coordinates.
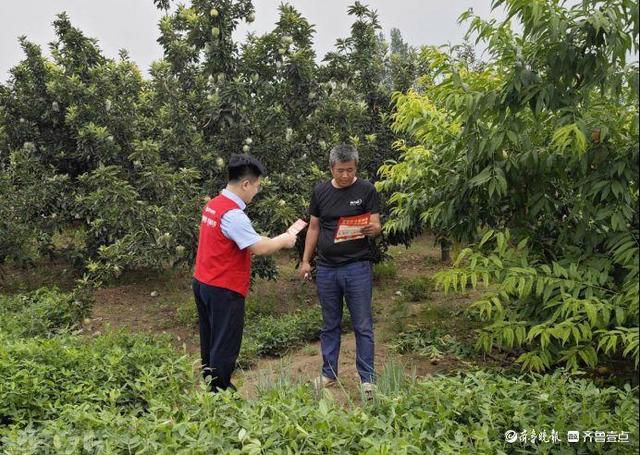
(353, 203)
(208, 221)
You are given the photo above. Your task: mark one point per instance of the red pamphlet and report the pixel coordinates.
(296, 227)
(350, 227)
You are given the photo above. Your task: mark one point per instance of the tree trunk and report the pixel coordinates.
(445, 250)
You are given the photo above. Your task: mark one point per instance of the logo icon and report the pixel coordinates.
(573, 436)
(511, 436)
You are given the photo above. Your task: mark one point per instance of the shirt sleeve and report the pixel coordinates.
(236, 226)
(314, 209)
(373, 201)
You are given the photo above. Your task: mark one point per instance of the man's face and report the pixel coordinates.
(250, 189)
(344, 172)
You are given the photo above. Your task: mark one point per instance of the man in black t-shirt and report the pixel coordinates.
(345, 213)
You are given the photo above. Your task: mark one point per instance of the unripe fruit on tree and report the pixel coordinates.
(251, 17)
(282, 203)
(287, 39)
(215, 32)
(219, 162)
(248, 141)
(255, 77)
(281, 51)
(180, 250)
(246, 148)
(214, 12)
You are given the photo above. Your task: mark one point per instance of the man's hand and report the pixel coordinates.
(305, 271)
(372, 229)
(266, 246)
(289, 240)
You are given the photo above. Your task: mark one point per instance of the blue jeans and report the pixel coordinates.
(353, 283)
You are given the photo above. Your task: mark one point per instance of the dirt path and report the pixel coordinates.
(304, 364)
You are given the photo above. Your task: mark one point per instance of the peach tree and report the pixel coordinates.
(532, 159)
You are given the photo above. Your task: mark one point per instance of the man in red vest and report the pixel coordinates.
(223, 268)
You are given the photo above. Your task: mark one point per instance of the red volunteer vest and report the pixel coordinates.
(219, 261)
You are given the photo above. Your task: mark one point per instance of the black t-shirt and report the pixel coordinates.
(328, 204)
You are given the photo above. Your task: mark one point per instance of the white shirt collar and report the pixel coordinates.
(235, 198)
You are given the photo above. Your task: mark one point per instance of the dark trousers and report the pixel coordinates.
(221, 317)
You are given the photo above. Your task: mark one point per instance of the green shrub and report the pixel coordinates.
(276, 335)
(39, 378)
(259, 305)
(431, 343)
(70, 244)
(384, 271)
(40, 313)
(417, 289)
(464, 414)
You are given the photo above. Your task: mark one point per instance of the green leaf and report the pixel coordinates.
(485, 238)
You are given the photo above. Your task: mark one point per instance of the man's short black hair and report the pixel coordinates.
(242, 165)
